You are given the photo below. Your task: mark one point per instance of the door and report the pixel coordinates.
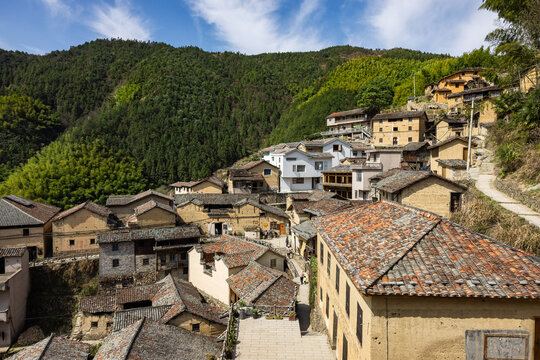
(345, 353)
(537, 339)
(465, 153)
(443, 173)
(394, 141)
(282, 229)
(334, 331)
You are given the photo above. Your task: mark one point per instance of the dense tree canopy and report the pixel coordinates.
(375, 95)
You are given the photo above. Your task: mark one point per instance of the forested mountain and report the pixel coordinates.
(163, 113)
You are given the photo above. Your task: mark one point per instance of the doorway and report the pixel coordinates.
(218, 229)
(334, 331)
(537, 339)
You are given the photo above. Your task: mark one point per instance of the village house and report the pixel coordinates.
(395, 282)
(211, 264)
(231, 214)
(75, 230)
(208, 185)
(169, 301)
(124, 206)
(149, 340)
(338, 180)
(416, 155)
(399, 128)
(529, 78)
(26, 223)
(150, 215)
(266, 289)
(421, 189)
(54, 347)
(353, 124)
(458, 81)
(255, 177)
(377, 161)
(14, 289)
(303, 206)
(304, 239)
(449, 158)
(125, 253)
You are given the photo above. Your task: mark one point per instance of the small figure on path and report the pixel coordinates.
(301, 278)
(287, 241)
(289, 252)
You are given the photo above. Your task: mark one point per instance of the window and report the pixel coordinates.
(380, 129)
(318, 165)
(328, 259)
(337, 147)
(380, 121)
(290, 159)
(355, 153)
(115, 247)
(345, 353)
(409, 139)
(115, 262)
(321, 254)
(320, 293)
(163, 259)
(337, 278)
(347, 299)
(94, 324)
(195, 327)
(109, 324)
(435, 152)
(358, 176)
(172, 257)
(455, 202)
(380, 140)
(71, 242)
(92, 241)
(327, 305)
(299, 168)
(272, 263)
(458, 133)
(410, 128)
(267, 172)
(185, 271)
(298, 180)
(183, 256)
(146, 261)
(410, 119)
(395, 128)
(359, 319)
(26, 232)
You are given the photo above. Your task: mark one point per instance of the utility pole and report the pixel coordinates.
(470, 137)
(414, 85)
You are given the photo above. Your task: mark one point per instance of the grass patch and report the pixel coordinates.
(481, 214)
(313, 282)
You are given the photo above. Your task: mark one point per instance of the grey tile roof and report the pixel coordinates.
(254, 163)
(213, 199)
(120, 200)
(13, 251)
(475, 91)
(88, 205)
(149, 340)
(341, 168)
(16, 211)
(54, 348)
(305, 230)
(453, 163)
(159, 234)
(358, 111)
(415, 146)
(396, 179)
(124, 318)
(212, 179)
(104, 303)
(446, 141)
(149, 205)
(401, 114)
(392, 249)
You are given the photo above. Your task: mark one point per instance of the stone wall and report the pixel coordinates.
(517, 194)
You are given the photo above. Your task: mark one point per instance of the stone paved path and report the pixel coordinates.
(263, 339)
(484, 184)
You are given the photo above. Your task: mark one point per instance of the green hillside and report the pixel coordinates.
(165, 113)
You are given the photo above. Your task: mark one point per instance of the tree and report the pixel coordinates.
(375, 95)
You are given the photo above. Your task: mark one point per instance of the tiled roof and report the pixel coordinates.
(212, 179)
(213, 199)
(110, 303)
(398, 179)
(326, 206)
(54, 348)
(258, 284)
(453, 163)
(234, 251)
(254, 163)
(347, 113)
(415, 146)
(402, 114)
(120, 200)
(305, 230)
(149, 205)
(17, 211)
(446, 141)
(471, 69)
(195, 303)
(124, 318)
(268, 208)
(243, 174)
(13, 251)
(317, 195)
(391, 249)
(150, 340)
(442, 90)
(341, 168)
(186, 231)
(475, 91)
(321, 156)
(88, 205)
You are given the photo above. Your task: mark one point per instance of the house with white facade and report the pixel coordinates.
(301, 164)
(377, 161)
(354, 124)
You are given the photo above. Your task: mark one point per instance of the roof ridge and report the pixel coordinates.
(25, 213)
(395, 261)
(49, 340)
(135, 335)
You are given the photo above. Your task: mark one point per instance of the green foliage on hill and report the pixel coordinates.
(375, 95)
(25, 126)
(66, 173)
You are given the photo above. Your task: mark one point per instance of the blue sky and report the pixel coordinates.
(248, 26)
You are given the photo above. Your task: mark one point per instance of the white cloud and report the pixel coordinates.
(34, 50)
(118, 21)
(253, 26)
(429, 25)
(58, 7)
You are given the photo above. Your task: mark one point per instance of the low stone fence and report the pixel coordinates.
(230, 336)
(517, 194)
